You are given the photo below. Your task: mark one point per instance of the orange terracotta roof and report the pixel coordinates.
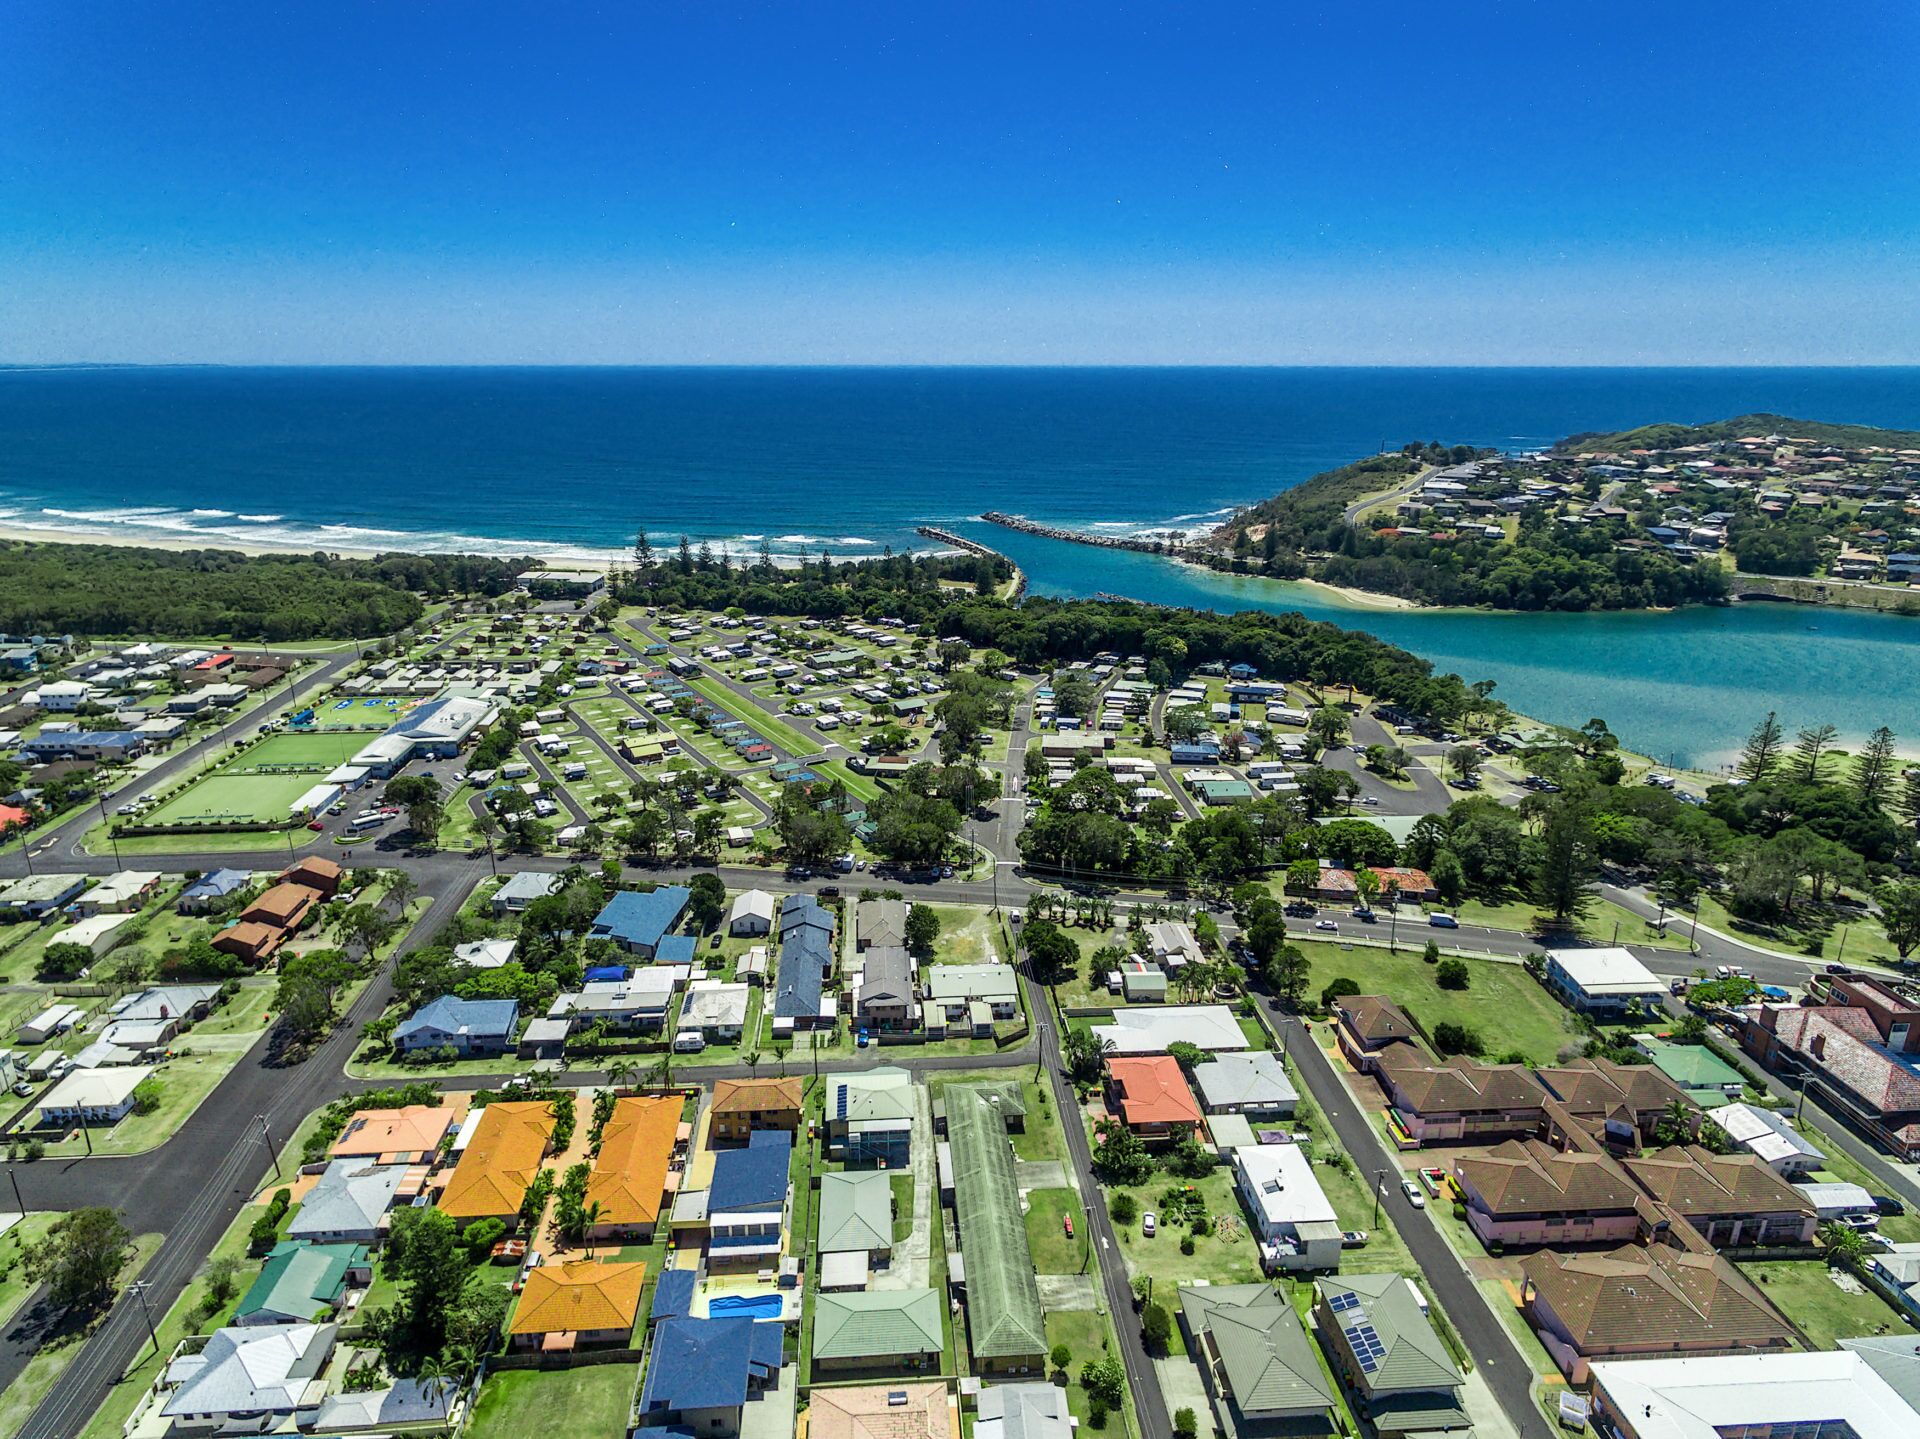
(1152, 1090)
(629, 1177)
(582, 1295)
(756, 1096)
(416, 1129)
(501, 1161)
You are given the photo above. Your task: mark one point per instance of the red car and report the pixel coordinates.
(315, 826)
(1066, 1222)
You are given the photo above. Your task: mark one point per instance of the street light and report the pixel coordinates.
(13, 1176)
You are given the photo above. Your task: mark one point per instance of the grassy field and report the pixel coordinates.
(1225, 1256)
(238, 797)
(14, 1284)
(1861, 941)
(1504, 1003)
(50, 1361)
(1804, 1291)
(1085, 1333)
(1053, 1252)
(594, 1400)
(1352, 1201)
(315, 749)
(968, 936)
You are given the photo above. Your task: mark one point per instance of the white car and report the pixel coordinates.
(1149, 1224)
(1414, 1196)
(1326, 924)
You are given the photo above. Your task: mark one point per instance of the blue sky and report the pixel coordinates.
(1276, 183)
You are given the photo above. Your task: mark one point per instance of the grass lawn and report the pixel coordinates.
(1042, 1138)
(50, 1361)
(968, 936)
(1226, 1256)
(1505, 1004)
(1804, 1291)
(1864, 940)
(317, 749)
(1053, 1252)
(1600, 924)
(184, 1083)
(1353, 1204)
(1085, 1333)
(593, 1400)
(902, 1185)
(14, 1284)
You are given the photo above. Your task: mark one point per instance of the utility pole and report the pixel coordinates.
(1379, 1183)
(25, 853)
(139, 1291)
(13, 1176)
(266, 1137)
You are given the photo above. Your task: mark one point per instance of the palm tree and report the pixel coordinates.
(589, 1216)
(1845, 1248)
(1675, 1125)
(621, 1073)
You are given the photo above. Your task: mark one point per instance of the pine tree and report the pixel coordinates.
(1809, 745)
(1762, 750)
(1908, 802)
(686, 556)
(1873, 772)
(642, 551)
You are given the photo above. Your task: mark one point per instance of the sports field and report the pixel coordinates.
(318, 750)
(358, 713)
(259, 785)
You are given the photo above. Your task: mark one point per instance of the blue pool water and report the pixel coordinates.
(753, 1306)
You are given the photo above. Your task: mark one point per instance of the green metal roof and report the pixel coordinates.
(1413, 1355)
(300, 1279)
(870, 1324)
(856, 1212)
(1003, 1301)
(1691, 1066)
(1263, 1348)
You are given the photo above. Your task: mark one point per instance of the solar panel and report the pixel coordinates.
(1340, 1303)
(1364, 1340)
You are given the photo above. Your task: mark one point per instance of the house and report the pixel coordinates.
(97, 933)
(752, 913)
(856, 1215)
(1022, 1411)
(869, 1118)
(1254, 1084)
(304, 1283)
(254, 1379)
(101, 746)
(1829, 1393)
(1526, 1192)
(1862, 1049)
(883, 1411)
(1458, 1101)
(153, 1016)
(521, 890)
(208, 892)
(469, 1027)
(1732, 1199)
(121, 893)
(406, 1406)
(250, 940)
(282, 906)
(1142, 981)
(1770, 1138)
(1644, 1301)
(499, 1162)
(1406, 882)
(410, 1135)
(583, 1304)
(747, 1202)
(1365, 1024)
(1898, 1270)
(485, 953)
(880, 922)
(38, 895)
(969, 998)
(1622, 1100)
(633, 1177)
(317, 873)
(891, 1330)
(806, 960)
(1253, 1352)
(1151, 1096)
(1379, 1337)
(1707, 1078)
(1171, 942)
(92, 1097)
(883, 995)
(1604, 981)
(743, 1106)
(350, 1203)
(1006, 1334)
(53, 1020)
(1208, 1027)
(636, 921)
(717, 1011)
(638, 1002)
(702, 1373)
(1293, 1220)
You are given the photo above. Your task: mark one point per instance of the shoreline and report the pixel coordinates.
(37, 535)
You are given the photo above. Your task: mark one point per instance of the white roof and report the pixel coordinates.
(755, 902)
(1703, 1398)
(484, 953)
(1280, 1178)
(91, 930)
(1606, 970)
(1767, 1134)
(1211, 1027)
(95, 1088)
(712, 1003)
(125, 885)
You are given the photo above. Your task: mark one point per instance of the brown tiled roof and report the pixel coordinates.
(1446, 1086)
(1525, 1176)
(1374, 1016)
(1698, 1181)
(1653, 1298)
(1851, 1054)
(756, 1096)
(283, 904)
(1599, 1086)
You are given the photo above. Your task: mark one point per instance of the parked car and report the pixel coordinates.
(1326, 924)
(1887, 1204)
(315, 825)
(1414, 1196)
(1442, 921)
(1353, 1238)
(1300, 909)
(1859, 1223)
(1149, 1224)
(1066, 1223)
(1365, 916)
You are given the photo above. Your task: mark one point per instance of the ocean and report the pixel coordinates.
(569, 463)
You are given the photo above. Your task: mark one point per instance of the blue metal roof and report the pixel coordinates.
(676, 949)
(642, 918)
(673, 1295)
(754, 1177)
(708, 1363)
(451, 1014)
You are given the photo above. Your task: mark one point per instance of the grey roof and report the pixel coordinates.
(350, 1198)
(956, 983)
(1269, 1364)
(886, 976)
(856, 1211)
(406, 1402)
(526, 886)
(250, 1370)
(1895, 1358)
(163, 1001)
(1258, 1078)
(881, 921)
(1022, 1411)
(1411, 1355)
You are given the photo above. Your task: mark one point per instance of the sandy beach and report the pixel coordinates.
(131, 540)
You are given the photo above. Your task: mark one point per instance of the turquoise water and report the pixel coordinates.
(559, 463)
(1685, 685)
(754, 1306)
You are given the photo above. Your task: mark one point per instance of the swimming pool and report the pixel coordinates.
(753, 1306)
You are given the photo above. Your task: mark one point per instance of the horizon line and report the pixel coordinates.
(27, 366)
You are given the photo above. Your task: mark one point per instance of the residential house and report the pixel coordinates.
(1644, 1301)
(1151, 1097)
(891, 1331)
(282, 906)
(150, 1018)
(38, 895)
(303, 1283)
(1171, 942)
(636, 1003)
(211, 890)
(1458, 1101)
(1828, 1393)
(856, 1215)
(406, 1406)
(747, 1202)
(1253, 1352)
(1380, 1339)
(97, 1098)
(1294, 1222)
(637, 921)
(968, 998)
(582, 1304)
(410, 1135)
(1022, 1411)
(1625, 1102)
(1732, 1199)
(717, 1011)
(469, 1027)
(702, 1374)
(883, 999)
(806, 961)
(1006, 1334)
(1208, 1027)
(1526, 1192)
(521, 890)
(1365, 1024)
(883, 1411)
(1605, 981)
(317, 873)
(743, 1107)
(499, 1162)
(254, 1379)
(1770, 1138)
(121, 893)
(350, 1203)
(1254, 1084)
(634, 1178)
(880, 922)
(752, 913)
(1898, 1270)
(1707, 1079)
(250, 940)
(870, 1117)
